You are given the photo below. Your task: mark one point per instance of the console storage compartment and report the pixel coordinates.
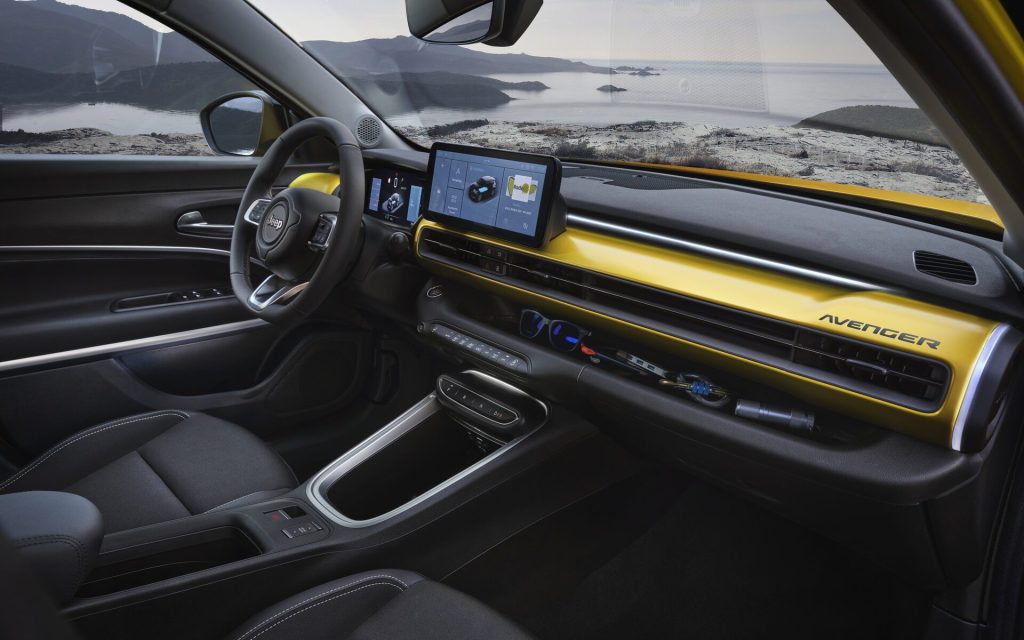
(419, 460)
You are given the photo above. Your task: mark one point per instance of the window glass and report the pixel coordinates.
(95, 76)
(773, 87)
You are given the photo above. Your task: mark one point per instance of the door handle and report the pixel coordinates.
(193, 223)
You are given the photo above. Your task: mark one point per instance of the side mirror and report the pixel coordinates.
(242, 124)
(498, 23)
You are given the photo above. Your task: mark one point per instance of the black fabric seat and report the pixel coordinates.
(158, 466)
(379, 605)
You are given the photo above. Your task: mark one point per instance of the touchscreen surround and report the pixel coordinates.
(394, 196)
(504, 194)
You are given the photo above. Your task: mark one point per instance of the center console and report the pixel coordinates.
(468, 422)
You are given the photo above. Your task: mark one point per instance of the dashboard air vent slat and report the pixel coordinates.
(945, 267)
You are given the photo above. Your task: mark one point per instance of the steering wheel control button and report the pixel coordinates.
(254, 215)
(322, 233)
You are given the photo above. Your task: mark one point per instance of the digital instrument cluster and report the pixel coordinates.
(394, 196)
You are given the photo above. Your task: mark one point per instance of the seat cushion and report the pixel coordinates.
(158, 466)
(379, 605)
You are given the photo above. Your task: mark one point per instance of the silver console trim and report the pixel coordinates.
(377, 442)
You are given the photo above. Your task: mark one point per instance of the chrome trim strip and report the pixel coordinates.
(139, 343)
(121, 248)
(282, 295)
(377, 442)
(956, 440)
(584, 222)
(248, 212)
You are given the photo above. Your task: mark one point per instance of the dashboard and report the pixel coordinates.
(831, 343)
(905, 377)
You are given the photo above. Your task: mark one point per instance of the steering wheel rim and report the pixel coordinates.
(286, 230)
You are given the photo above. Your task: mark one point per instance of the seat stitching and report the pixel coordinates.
(81, 436)
(156, 473)
(317, 604)
(321, 595)
(74, 543)
(244, 497)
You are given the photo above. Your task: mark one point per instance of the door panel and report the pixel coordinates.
(90, 251)
(60, 300)
(91, 257)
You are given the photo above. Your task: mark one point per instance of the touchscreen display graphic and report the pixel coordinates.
(490, 190)
(394, 196)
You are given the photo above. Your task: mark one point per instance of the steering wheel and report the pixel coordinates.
(307, 239)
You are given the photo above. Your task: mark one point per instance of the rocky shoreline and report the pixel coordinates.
(97, 141)
(812, 154)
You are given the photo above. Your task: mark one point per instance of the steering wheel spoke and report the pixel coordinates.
(254, 214)
(321, 238)
(274, 290)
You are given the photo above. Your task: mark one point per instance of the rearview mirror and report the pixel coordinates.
(494, 22)
(242, 124)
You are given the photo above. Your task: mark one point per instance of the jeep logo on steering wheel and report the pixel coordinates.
(275, 223)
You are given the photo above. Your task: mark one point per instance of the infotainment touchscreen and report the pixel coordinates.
(394, 196)
(499, 193)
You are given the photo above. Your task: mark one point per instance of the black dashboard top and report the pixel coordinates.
(840, 239)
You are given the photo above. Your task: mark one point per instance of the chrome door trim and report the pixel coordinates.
(129, 345)
(111, 248)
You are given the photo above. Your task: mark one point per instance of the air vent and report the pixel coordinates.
(945, 267)
(891, 375)
(892, 370)
(369, 131)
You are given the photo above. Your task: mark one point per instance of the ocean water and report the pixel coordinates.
(119, 119)
(720, 94)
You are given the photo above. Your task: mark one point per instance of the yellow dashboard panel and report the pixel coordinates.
(877, 317)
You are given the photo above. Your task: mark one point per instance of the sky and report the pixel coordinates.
(727, 30)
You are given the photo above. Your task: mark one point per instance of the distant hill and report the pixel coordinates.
(899, 123)
(405, 53)
(394, 93)
(55, 52)
(49, 36)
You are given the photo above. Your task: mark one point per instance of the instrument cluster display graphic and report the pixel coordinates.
(394, 196)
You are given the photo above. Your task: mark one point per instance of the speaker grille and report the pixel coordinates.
(369, 131)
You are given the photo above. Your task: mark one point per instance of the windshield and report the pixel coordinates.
(770, 87)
